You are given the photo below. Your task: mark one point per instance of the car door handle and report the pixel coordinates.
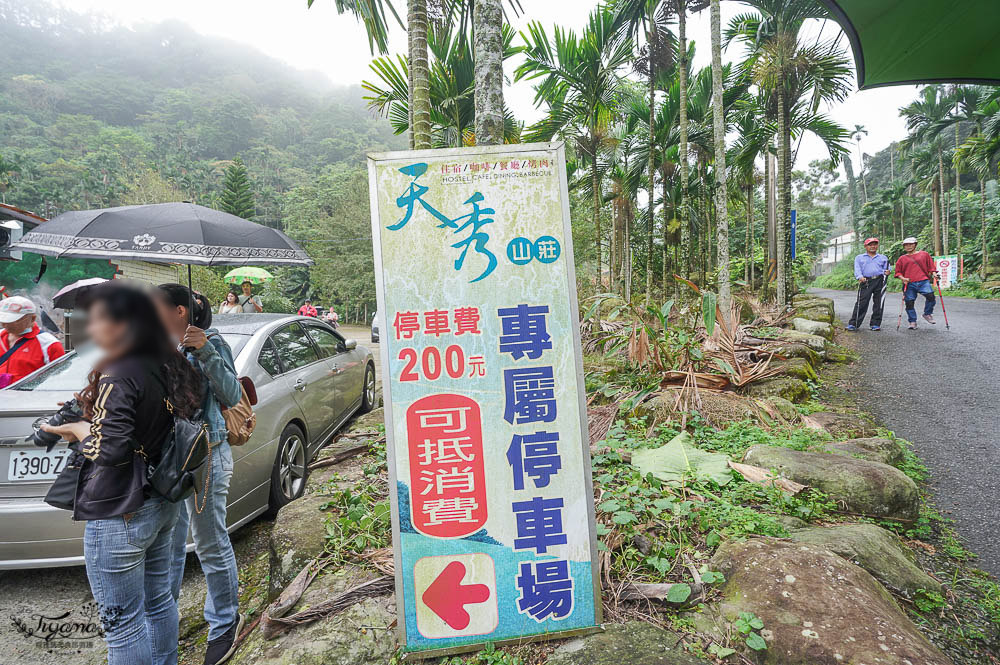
(300, 385)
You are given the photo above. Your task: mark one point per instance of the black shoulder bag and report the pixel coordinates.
(183, 453)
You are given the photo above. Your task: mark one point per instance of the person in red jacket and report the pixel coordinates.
(915, 269)
(24, 347)
(308, 310)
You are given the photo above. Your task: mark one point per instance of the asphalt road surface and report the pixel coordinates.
(939, 389)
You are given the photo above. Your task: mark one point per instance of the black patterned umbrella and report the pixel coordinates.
(165, 233)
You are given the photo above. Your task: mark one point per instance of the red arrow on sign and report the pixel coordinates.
(447, 596)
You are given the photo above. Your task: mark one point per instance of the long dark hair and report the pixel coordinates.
(146, 338)
(179, 295)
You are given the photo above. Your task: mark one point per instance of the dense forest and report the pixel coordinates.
(95, 115)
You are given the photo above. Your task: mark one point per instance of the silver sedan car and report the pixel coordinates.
(309, 381)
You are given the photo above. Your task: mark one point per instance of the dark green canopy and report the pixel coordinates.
(922, 41)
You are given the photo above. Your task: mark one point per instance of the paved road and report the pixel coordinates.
(939, 389)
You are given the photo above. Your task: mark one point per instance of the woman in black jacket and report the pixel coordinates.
(128, 533)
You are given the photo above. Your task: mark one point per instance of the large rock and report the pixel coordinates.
(824, 330)
(360, 635)
(636, 643)
(857, 486)
(840, 425)
(785, 408)
(876, 550)
(815, 342)
(786, 387)
(885, 451)
(817, 608)
(809, 300)
(815, 313)
(797, 367)
(790, 349)
(718, 408)
(296, 539)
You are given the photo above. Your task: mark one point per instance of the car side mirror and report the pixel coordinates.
(351, 344)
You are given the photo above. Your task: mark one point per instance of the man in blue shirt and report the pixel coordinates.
(871, 269)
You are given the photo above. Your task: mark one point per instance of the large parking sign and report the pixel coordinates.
(493, 512)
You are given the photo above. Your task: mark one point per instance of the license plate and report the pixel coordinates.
(31, 465)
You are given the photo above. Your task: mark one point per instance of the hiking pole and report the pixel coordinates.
(857, 306)
(902, 306)
(943, 310)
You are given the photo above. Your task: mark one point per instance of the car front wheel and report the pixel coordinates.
(368, 394)
(290, 471)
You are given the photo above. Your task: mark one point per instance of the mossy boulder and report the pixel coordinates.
(797, 367)
(788, 350)
(785, 408)
(636, 643)
(857, 486)
(838, 354)
(297, 537)
(718, 408)
(823, 329)
(840, 425)
(817, 608)
(809, 300)
(362, 634)
(815, 313)
(878, 551)
(787, 387)
(815, 342)
(885, 451)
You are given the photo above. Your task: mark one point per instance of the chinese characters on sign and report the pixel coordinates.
(485, 416)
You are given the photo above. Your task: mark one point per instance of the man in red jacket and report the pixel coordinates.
(915, 269)
(307, 309)
(23, 346)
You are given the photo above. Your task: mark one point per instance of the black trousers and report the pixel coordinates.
(870, 290)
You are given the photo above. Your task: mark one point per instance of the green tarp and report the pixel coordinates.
(922, 41)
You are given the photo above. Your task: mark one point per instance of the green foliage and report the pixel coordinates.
(748, 624)
(236, 197)
(490, 655)
(929, 601)
(360, 520)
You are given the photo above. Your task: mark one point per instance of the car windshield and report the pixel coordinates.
(69, 373)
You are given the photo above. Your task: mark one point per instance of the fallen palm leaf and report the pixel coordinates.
(702, 380)
(756, 474)
(599, 421)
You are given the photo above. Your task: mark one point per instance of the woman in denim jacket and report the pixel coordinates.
(212, 358)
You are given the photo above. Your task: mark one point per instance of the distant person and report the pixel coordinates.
(231, 305)
(871, 269)
(332, 317)
(24, 347)
(248, 301)
(308, 310)
(128, 532)
(915, 269)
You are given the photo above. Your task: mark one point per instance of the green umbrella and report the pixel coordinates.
(248, 274)
(899, 42)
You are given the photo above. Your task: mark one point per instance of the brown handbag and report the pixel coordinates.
(240, 419)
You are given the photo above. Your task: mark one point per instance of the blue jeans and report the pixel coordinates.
(924, 288)
(128, 566)
(211, 542)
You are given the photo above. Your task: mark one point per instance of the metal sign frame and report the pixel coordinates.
(570, 274)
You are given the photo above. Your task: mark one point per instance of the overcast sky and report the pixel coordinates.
(319, 39)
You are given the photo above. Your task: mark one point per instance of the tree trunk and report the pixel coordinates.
(781, 216)
(488, 24)
(721, 191)
(936, 219)
(666, 232)
(683, 216)
(942, 206)
(651, 159)
(421, 104)
(958, 199)
(982, 227)
(748, 249)
(595, 183)
(852, 185)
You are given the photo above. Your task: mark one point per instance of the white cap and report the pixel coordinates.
(15, 307)
(910, 241)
